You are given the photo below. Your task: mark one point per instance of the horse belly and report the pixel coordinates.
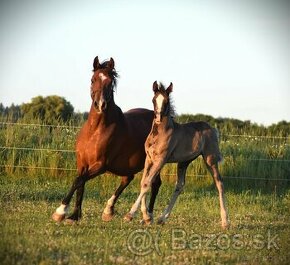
(126, 163)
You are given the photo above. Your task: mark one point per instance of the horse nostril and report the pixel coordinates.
(95, 104)
(103, 106)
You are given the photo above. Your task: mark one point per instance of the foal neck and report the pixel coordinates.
(165, 124)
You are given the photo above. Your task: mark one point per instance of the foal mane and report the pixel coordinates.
(171, 106)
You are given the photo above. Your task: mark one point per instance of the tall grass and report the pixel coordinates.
(49, 151)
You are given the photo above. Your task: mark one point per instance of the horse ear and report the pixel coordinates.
(155, 87)
(111, 63)
(96, 63)
(169, 89)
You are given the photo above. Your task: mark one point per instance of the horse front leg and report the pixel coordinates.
(61, 212)
(108, 212)
(78, 185)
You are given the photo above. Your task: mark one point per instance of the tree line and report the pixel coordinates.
(49, 110)
(55, 109)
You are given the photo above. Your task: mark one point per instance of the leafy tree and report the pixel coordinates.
(49, 109)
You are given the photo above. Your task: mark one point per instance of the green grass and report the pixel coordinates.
(258, 209)
(259, 232)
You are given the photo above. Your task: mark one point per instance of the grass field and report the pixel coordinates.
(37, 169)
(259, 232)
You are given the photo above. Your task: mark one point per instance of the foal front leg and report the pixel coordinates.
(148, 217)
(149, 172)
(181, 170)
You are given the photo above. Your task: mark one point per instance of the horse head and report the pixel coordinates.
(103, 83)
(161, 101)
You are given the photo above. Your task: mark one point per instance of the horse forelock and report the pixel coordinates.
(112, 73)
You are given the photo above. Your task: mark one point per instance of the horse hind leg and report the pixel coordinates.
(108, 212)
(213, 168)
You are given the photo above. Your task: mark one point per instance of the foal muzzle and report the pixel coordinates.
(158, 118)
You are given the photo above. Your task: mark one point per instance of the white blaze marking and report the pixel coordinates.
(159, 101)
(62, 209)
(102, 76)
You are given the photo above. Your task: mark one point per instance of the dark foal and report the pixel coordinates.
(110, 140)
(170, 142)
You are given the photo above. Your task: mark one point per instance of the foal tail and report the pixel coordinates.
(220, 157)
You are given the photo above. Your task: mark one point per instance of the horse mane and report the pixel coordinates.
(171, 106)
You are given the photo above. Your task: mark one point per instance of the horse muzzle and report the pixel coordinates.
(100, 105)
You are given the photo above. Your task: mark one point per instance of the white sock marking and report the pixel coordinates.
(110, 202)
(62, 209)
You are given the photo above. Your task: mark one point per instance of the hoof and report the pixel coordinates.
(161, 221)
(107, 217)
(58, 217)
(128, 217)
(69, 221)
(225, 226)
(147, 221)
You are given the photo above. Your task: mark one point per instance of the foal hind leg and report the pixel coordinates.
(108, 212)
(213, 168)
(181, 170)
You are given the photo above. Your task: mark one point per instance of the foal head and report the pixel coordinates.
(161, 101)
(103, 83)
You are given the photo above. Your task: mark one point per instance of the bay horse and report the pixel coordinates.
(170, 142)
(109, 140)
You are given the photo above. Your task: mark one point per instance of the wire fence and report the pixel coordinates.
(79, 127)
(70, 151)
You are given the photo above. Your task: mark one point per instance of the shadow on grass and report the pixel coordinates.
(101, 189)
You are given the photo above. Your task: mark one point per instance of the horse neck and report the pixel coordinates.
(104, 119)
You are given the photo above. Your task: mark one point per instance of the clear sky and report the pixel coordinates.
(225, 58)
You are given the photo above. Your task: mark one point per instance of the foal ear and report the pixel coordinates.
(169, 89)
(96, 63)
(155, 87)
(111, 63)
